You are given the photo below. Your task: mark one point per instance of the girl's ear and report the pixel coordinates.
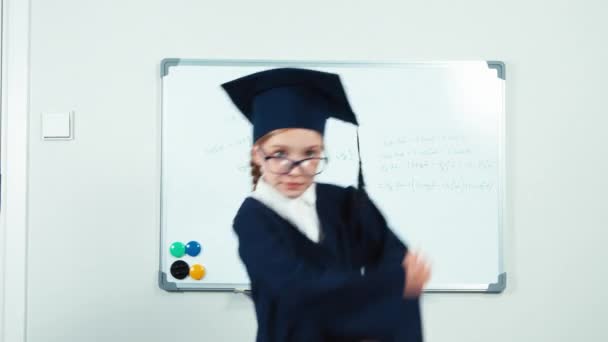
(255, 155)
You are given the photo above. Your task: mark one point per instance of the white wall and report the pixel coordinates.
(93, 225)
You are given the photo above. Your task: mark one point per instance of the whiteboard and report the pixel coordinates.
(432, 146)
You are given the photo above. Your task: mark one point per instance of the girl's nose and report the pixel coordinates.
(295, 171)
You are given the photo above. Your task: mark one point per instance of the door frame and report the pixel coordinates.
(15, 39)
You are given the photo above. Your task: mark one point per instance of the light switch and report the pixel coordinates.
(57, 126)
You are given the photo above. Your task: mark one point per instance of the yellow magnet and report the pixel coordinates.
(197, 271)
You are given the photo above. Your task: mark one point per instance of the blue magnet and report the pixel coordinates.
(193, 248)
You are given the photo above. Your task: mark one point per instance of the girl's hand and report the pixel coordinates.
(417, 274)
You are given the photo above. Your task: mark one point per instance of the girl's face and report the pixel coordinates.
(294, 144)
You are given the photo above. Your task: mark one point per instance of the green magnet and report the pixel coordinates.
(178, 249)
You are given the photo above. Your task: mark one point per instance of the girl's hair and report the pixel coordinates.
(256, 171)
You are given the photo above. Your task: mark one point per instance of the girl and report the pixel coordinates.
(322, 262)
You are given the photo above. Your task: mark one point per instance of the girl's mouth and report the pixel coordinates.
(293, 185)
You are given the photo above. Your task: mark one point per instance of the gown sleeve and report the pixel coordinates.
(304, 289)
(383, 247)
(387, 318)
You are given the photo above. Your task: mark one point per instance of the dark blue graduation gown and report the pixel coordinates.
(306, 291)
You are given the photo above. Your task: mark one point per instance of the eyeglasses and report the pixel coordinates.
(282, 166)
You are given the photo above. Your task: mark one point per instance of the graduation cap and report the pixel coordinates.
(291, 98)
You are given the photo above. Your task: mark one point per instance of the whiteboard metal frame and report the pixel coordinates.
(497, 287)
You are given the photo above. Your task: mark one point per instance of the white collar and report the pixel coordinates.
(300, 211)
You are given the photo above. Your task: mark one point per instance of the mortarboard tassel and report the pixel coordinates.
(361, 182)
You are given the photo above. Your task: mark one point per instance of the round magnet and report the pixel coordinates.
(177, 249)
(179, 269)
(193, 248)
(197, 271)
